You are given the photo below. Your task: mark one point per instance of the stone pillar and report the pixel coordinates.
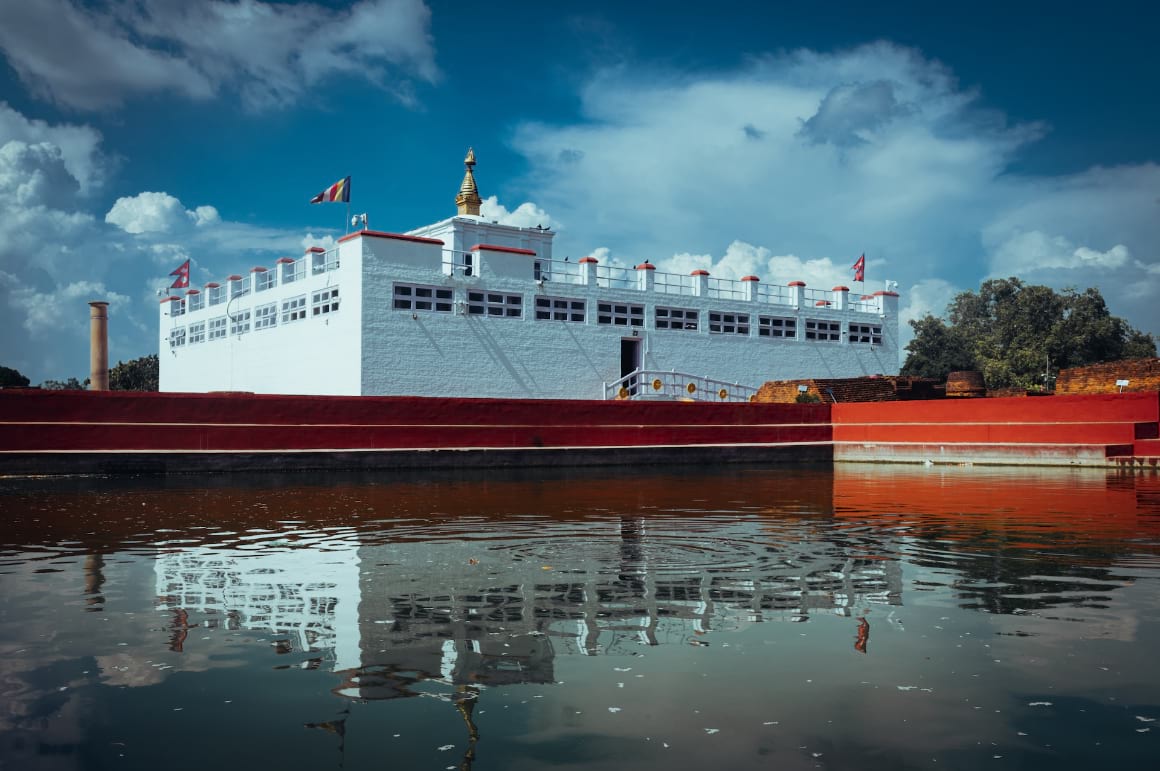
(749, 288)
(98, 346)
(799, 293)
(588, 271)
(645, 276)
(700, 283)
(841, 297)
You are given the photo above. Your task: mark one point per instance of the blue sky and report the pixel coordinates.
(781, 139)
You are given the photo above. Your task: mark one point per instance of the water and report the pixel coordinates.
(860, 618)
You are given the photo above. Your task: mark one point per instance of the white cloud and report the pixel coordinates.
(526, 215)
(148, 213)
(822, 156)
(269, 53)
(78, 145)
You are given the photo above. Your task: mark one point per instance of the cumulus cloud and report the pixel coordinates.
(148, 213)
(526, 215)
(820, 157)
(78, 145)
(269, 53)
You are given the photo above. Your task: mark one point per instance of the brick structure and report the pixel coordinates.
(1141, 374)
(852, 389)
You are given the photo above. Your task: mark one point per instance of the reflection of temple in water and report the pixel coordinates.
(464, 612)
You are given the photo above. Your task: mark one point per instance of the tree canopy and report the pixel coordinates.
(11, 378)
(1016, 333)
(136, 375)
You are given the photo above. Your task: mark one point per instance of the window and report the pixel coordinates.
(676, 318)
(320, 262)
(266, 316)
(495, 304)
(417, 297)
(560, 309)
(728, 323)
(177, 337)
(775, 326)
(177, 308)
(240, 288)
(823, 330)
(217, 295)
(263, 280)
(217, 328)
(293, 271)
(324, 301)
(866, 333)
(240, 322)
(197, 333)
(294, 309)
(620, 315)
(196, 302)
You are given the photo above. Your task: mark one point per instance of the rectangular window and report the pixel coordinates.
(866, 333)
(217, 295)
(177, 337)
(294, 309)
(263, 280)
(677, 318)
(266, 316)
(420, 297)
(196, 302)
(293, 271)
(620, 315)
(177, 308)
(197, 333)
(728, 323)
(823, 330)
(240, 322)
(217, 328)
(324, 301)
(495, 304)
(321, 262)
(775, 326)
(560, 309)
(240, 288)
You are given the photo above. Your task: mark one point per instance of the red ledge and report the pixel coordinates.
(316, 249)
(699, 273)
(258, 269)
(192, 291)
(589, 261)
(866, 297)
(234, 277)
(820, 303)
(507, 249)
(396, 236)
(840, 289)
(646, 266)
(796, 283)
(169, 299)
(285, 261)
(885, 294)
(212, 285)
(750, 278)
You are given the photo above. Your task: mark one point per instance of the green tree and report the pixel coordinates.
(11, 378)
(136, 375)
(1015, 333)
(72, 384)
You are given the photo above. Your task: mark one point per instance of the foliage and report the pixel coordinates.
(72, 384)
(808, 398)
(11, 378)
(1017, 333)
(136, 375)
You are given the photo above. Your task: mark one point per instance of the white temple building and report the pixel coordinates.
(471, 308)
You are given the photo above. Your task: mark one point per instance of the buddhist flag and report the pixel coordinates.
(860, 269)
(182, 273)
(339, 191)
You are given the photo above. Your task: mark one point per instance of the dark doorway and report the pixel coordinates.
(630, 362)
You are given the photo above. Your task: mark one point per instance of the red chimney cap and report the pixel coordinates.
(315, 249)
(588, 261)
(646, 266)
(212, 285)
(258, 269)
(886, 294)
(284, 261)
(822, 302)
(841, 289)
(234, 277)
(750, 278)
(169, 299)
(699, 273)
(192, 291)
(796, 283)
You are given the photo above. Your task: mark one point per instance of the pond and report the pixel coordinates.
(861, 617)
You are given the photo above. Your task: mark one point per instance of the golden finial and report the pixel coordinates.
(468, 200)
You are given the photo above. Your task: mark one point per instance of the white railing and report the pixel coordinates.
(613, 277)
(726, 289)
(672, 386)
(674, 283)
(775, 294)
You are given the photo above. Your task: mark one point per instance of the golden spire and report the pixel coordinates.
(468, 199)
